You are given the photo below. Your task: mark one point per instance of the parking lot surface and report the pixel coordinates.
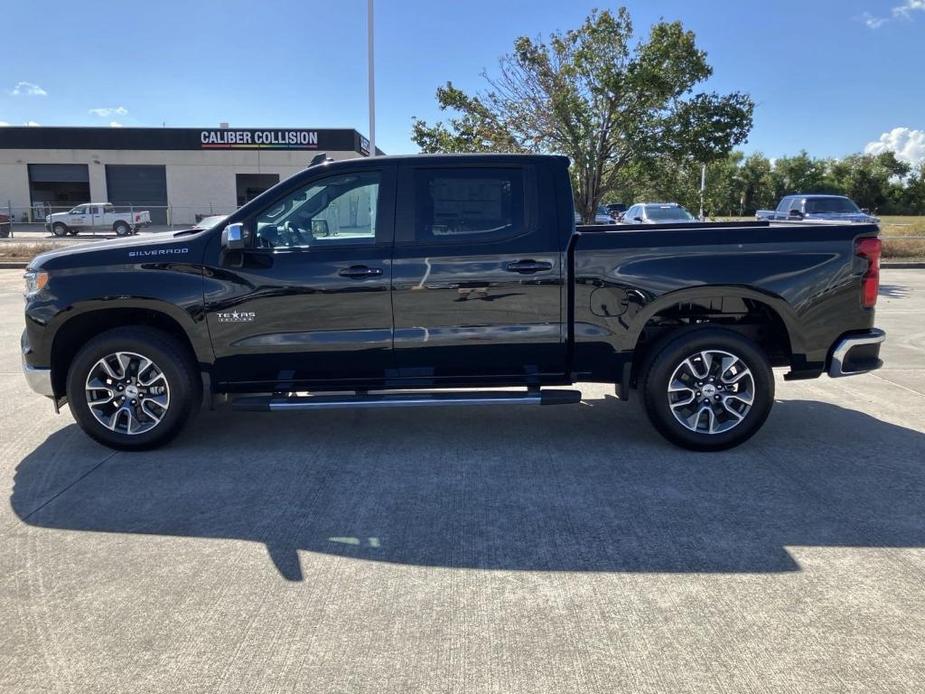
(559, 549)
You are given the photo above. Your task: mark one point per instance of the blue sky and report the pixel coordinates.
(829, 76)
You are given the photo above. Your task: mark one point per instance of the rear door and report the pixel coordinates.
(476, 276)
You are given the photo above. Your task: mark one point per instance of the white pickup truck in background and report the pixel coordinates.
(97, 215)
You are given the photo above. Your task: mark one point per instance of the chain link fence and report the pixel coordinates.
(62, 221)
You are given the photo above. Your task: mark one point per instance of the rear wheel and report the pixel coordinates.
(59, 229)
(133, 388)
(122, 229)
(708, 389)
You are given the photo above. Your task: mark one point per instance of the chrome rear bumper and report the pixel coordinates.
(857, 353)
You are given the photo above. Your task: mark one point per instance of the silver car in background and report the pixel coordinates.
(601, 216)
(658, 213)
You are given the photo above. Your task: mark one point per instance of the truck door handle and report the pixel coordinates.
(526, 267)
(357, 272)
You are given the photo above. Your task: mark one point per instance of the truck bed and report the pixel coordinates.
(806, 275)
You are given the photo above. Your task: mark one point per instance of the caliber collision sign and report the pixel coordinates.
(197, 139)
(258, 139)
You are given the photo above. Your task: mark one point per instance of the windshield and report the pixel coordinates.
(668, 213)
(836, 205)
(603, 211)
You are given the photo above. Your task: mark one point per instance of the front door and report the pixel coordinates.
(308, 305)
(477, 277)
(78, 217)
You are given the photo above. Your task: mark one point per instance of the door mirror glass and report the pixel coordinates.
(796, 214)
(233, 237)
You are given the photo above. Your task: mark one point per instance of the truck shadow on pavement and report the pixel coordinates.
(588, 488)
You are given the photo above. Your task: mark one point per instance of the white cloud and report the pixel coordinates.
(108, 111)
(903, 11)
(32, 124)
(908, 8)
(28, 89)
(873, 22)
(3, 123)
(906, 143)
(115, 124)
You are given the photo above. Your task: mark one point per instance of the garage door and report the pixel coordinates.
(139, 186)
(58, 187)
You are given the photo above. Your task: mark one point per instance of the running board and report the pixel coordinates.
(278, 403)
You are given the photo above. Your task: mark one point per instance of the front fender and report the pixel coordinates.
(171, 290)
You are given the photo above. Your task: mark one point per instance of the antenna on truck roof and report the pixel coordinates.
(321, 158)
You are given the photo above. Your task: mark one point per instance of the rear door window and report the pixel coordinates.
(468, 204)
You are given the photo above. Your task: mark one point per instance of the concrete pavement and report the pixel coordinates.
(558, 549)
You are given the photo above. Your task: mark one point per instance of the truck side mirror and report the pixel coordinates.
(796, 214)
(233, 237)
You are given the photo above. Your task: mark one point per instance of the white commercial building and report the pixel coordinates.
(179, 174)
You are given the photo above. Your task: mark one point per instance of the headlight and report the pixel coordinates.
(35, 281)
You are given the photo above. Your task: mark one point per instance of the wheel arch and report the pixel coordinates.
(82, 326)
(765, 318)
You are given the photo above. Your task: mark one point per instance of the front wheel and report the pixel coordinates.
(708, 389)
(59, 229)
(133, 388)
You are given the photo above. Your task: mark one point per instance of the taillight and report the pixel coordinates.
(869, 249)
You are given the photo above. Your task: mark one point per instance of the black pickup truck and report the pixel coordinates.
(445, 280)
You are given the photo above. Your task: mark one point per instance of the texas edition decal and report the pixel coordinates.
(235, 316)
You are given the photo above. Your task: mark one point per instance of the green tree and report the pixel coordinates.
(757, 190)
(799, 174)
(912, 197)
(593, 94)
(871, 180)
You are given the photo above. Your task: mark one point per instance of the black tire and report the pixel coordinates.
(171, 358)
(59, 229)
(121, 229)
(667, 359)
(5, 231)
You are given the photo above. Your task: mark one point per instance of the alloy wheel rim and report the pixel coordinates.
(127, 393)
(711, 392)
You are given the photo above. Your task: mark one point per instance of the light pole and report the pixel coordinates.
(371, 78)
(703, 184)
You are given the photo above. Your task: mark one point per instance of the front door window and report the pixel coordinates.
(335, 211)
